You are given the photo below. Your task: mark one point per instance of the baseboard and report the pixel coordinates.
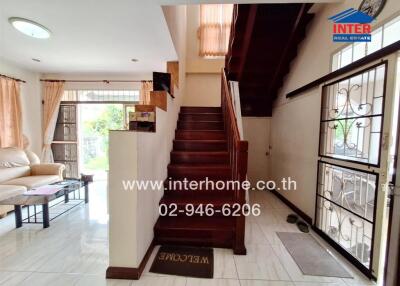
(128, 272)
(302, 214)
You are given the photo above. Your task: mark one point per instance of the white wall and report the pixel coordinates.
(203, 90)
(203, 76)
(152, 158)
(295, 122)
(31, 103)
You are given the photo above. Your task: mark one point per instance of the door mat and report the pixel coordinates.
(184, 261)
(310, 256)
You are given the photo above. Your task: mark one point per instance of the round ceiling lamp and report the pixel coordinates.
(30, 28)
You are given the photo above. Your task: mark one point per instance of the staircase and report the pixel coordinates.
(200, 150)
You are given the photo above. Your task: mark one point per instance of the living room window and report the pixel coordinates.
(214, 31)
(381, 37)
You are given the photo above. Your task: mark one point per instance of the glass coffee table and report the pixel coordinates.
(68, 190)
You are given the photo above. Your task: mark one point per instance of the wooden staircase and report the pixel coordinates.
(204, 147)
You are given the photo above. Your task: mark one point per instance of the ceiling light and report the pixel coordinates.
(134, 60)
(36, 60)
(30, 28)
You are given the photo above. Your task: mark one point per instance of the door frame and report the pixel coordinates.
(380, 169)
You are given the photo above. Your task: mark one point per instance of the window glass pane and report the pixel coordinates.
(101, 95)
(391, 32)
(376, 41)
(347, 56)
(335, 61)
(359, 51)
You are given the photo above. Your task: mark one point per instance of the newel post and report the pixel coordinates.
(241, 157)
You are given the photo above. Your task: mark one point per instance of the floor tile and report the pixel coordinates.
(50, 279)
(213, 282)
(160, 281)
(100, 280)
(265, 283)
(260, 263)
(13, 278)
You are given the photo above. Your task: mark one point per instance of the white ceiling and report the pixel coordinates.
(88, 36)
(95, 36)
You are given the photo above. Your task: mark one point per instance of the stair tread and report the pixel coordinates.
(198, 223)
(196, 200)
(201, 141)
(202, 113)
(202, 165)
(200, 152)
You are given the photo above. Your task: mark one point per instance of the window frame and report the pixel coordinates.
(342, 47)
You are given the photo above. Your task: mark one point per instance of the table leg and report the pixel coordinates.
(18, 216)
(86, 192)
(46, 218)
(66, 197)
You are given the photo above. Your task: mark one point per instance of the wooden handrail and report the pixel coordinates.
(237, 149)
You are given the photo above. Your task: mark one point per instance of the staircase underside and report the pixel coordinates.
(264, 41)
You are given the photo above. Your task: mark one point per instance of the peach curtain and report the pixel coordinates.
(52, 95)
(10, 114)
(145, 89)
(215, 27)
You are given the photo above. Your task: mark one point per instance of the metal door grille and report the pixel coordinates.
(346, 201)
(65, 144)
(352, 117)
(352, 114)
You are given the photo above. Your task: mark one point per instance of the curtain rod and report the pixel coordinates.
(99, 80)
(16, 79)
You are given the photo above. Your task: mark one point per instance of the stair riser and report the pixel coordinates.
(197, 158)
(199, 146)
(198, 109)
(198, 174)
(199, 193)
(220, 239)
(200, 125)
(200, 117)
(199, 135)
(181, 210)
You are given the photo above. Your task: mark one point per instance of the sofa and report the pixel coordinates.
(21, 170)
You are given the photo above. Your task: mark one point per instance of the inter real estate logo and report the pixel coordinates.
(351, 25)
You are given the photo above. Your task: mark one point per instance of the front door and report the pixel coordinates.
(353, 167)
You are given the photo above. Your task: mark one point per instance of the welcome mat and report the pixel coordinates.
(184, 261)
(310, 256)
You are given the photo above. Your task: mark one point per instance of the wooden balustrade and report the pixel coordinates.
(237, 149)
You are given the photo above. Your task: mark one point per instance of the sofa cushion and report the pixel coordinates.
(8, 191)
(13, 157)
(33, 181)
(7, 174)
(32, 157)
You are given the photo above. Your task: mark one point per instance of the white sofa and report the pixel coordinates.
(20, 170)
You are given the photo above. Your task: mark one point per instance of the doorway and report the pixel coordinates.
(359, 125)
(94, 122)
(81, 134)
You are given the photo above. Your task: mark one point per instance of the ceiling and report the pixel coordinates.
(88, 36)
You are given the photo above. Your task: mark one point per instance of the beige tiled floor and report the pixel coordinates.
(74, 251)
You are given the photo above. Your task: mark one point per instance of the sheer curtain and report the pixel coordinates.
(145, 89)
(10, 114)
(215, 26)
(52, 95)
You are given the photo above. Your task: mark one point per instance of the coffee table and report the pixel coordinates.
(67, 187)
